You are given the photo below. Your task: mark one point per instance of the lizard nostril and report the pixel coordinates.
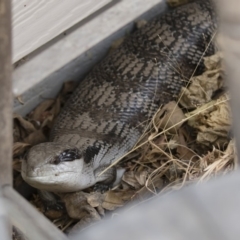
(55, 161)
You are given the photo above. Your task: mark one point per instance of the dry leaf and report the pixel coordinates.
(216, 161)
(115, 44)
(175, 3)
(78, 207)
(17, 164)
(130, 179)
(214, 62)
(19, 98)
(116, 199)
(19, 148)
(54, 213)
(184, 152)
(67, 89)
(213, 123)
(141, 176)
(22, 128)
(140, 23)
(203, 87)
(154, 185)
(172, 144)
(95, 199)
(42, 110)
(50, 108)
(36, 137)
(169, 116)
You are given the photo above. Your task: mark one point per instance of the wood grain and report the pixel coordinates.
(27, 219)
(41, 75)
(6, 127)
(35, 22)
(5, 95)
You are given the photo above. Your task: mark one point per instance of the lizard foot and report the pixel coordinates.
(101, 187)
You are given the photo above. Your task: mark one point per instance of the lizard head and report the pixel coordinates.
(56, 167)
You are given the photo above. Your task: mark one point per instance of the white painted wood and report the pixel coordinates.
(35, 22)
(72, 56)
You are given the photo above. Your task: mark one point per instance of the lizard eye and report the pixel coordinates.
(69, 155)
(66, 156)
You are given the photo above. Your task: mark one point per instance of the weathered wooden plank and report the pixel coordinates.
(26, 218)
(5, 94)
(36, 22)
(6, 111)
(72, 56)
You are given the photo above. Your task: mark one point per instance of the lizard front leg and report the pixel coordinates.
(104, 180)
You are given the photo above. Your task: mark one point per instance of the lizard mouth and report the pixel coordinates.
(63, 182)
(39, 173)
